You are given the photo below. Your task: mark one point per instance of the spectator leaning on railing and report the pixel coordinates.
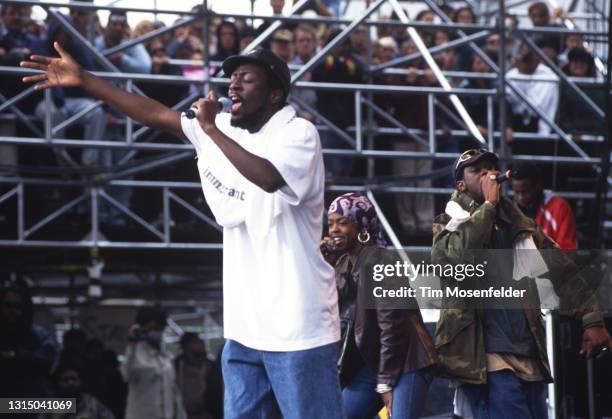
(414, 213)
(542, 91)
(572, 40)
(161, 65)
(282, 44)
(305, 41)
(131, 60)
(15, 45)
(66, 102)
(339, 66)
(476, 105)
(575, 116)
(465, 16)
(541, 17)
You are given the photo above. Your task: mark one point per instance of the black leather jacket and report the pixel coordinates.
(389, 341)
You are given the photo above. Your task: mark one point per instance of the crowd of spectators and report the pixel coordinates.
(151, 382)
(180, 53)
(84, 369)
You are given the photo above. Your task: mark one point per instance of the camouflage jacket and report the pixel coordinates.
(459, 336)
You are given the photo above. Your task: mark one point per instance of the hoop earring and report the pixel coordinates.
(366, 235)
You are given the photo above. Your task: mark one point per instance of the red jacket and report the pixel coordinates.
(556, 218)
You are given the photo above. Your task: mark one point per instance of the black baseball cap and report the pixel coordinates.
(470, 158)
(267, 59)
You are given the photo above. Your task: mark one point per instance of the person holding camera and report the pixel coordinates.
(149, 371)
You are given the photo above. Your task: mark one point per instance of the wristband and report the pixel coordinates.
(592, 319)
(383, 388)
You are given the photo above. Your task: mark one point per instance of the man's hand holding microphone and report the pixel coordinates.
(491, 184)
(490, 187)
(206, 110)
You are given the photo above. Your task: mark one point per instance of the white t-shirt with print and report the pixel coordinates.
(279, 294)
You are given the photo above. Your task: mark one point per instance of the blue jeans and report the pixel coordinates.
(507, 396)
(362, 401)
(296, 384)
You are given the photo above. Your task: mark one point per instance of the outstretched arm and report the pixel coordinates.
(65, 72)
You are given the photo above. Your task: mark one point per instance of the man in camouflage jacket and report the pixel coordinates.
(499, 356)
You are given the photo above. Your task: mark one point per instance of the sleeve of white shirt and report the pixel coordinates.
(544, 94)
(127, 368)
(193, 132)
(295, 156)
(511, 97)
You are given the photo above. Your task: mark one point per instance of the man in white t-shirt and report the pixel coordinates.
(542, 92)
(262, 175)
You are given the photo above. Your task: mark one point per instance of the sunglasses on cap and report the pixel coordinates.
(468, 154)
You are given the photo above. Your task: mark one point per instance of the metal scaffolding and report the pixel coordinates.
(362, 138)
(76, 220)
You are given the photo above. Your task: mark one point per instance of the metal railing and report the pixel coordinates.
(138, 139)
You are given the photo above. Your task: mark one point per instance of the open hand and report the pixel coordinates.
(57, 72)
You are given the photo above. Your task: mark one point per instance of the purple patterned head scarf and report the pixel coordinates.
(358, 208)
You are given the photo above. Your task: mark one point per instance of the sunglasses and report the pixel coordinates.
(468, 154)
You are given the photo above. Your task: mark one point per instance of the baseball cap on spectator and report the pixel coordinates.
(470, 158)
(388, 42)
(117, 16)
(282, 35)
(320, 28)
(273, 64)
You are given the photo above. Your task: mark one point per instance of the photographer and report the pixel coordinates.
(148, 370)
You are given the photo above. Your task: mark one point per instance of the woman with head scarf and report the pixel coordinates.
(386, 354)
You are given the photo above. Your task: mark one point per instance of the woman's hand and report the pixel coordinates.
(388, 399)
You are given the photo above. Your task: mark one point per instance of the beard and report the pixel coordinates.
(250, 122)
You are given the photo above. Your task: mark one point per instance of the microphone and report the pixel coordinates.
(502, 177)
(224, 105)
(328, 247)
